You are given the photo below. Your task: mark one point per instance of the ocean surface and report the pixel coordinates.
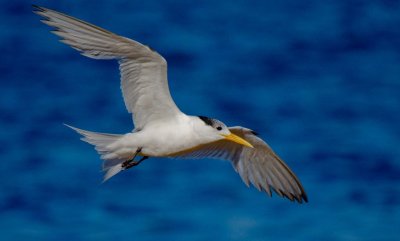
(319, 80)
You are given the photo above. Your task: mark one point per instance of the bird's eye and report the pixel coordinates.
(219, 128)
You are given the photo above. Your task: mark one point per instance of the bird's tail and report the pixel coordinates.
(103, 143)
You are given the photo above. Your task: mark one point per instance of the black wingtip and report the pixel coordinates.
(37, 8)
(301, 198)
(305, 198)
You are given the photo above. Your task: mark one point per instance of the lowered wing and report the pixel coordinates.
(259, 166)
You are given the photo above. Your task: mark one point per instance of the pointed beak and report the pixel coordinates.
(237, 139)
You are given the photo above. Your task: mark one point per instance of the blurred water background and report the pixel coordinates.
(319, 80)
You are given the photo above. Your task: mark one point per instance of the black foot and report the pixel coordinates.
(131, 163)
(128, 164)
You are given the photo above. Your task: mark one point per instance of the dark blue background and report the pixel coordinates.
(319, 80)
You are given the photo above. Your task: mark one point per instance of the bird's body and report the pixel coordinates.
(163, 138)
(166, 137)
(161, 129)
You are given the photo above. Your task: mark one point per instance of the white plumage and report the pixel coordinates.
(161, 129)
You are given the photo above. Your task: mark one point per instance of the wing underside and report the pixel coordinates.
(259, 166)
(144, 81)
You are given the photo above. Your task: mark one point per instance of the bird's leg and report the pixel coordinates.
(131, 163)
(128, 162)
(142, 159)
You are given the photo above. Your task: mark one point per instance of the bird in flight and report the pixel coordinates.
(161, 129)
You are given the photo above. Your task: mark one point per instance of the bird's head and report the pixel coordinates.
(215, 130)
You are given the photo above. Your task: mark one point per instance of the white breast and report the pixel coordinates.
(162, 138)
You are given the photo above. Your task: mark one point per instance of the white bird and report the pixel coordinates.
(161, 129)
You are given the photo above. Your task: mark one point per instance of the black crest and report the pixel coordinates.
(207, 120)
(254, 133)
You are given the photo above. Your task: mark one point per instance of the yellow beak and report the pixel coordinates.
(237, 139)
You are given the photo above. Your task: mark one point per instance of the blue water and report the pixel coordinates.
(319, 80)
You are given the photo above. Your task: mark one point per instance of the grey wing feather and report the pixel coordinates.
(259, 166)
(143, 71)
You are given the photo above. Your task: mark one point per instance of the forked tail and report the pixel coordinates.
(103, 144)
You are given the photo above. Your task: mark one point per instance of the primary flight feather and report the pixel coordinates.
(161, 129)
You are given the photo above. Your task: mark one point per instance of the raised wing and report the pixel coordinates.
(259, 165)
(144, 81)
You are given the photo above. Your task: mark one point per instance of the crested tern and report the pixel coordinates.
(161, 129)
